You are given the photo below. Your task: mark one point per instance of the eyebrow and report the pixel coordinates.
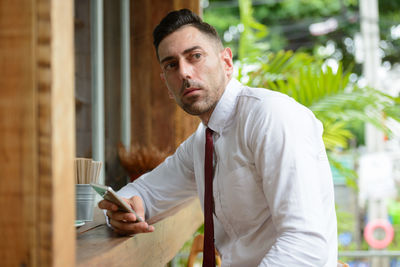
(186, 51)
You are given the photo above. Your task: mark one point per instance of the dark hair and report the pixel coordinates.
(177, 19)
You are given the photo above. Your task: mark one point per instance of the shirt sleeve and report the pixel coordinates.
(290, 157)
(167, 186)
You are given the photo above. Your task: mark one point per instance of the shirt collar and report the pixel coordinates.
(225, 107)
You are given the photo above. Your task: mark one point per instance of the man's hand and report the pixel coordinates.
(126, 223)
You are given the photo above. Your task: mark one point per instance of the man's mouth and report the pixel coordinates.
(189, 91)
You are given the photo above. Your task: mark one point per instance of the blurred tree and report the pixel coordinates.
(251, 33)
(289, 23)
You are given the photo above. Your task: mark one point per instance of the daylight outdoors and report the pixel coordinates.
(340, 58)
(82, 102)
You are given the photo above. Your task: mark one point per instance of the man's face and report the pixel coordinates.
(195, 69)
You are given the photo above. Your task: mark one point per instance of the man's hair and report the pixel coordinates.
(177, 19)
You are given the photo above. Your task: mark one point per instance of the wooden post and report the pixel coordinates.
(156, 119)
(37, 140)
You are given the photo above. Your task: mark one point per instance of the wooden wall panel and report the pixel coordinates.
(156, 119)
(17, 134)
(36, 133)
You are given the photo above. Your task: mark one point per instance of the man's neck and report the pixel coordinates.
(205, 117)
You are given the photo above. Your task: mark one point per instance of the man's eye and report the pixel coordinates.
(196, 56)
(171, 65)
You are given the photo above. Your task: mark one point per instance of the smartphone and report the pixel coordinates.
(109, 194)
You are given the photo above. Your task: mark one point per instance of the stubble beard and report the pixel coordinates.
(196, 105)
(199, 107)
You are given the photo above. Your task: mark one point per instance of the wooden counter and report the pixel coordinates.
(98, 245)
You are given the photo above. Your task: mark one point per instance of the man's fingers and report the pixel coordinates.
(124, 233)
(122, 216)
(136, 204)
(107, 205)
(126, 223)
(131, 228)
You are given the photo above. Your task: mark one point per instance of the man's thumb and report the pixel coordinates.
(136, 203)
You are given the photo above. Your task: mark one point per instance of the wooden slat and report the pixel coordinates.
(17, 134)
(44, 89)
(63, 132)
(100, 246)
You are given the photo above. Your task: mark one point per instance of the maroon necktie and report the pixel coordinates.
(208, 250)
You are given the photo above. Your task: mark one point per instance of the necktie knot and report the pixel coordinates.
(209, 132)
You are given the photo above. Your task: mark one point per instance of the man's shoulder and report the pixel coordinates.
(266, 99)
(260, 104)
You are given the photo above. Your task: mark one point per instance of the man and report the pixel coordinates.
(272, 196)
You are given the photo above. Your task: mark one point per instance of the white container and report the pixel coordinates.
(84, 196)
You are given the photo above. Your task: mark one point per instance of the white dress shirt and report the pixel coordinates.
(273, 189)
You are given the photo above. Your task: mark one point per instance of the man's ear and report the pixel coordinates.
(227, 58)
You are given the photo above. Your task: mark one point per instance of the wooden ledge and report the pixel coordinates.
(98, 245)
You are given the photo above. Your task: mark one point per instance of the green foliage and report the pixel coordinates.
(299, 8)
(288, 24)
(281, 65)
(346, 221)
(249, 43)
(359, 104)
(213, 17)
(310, 84)
(388, 6)
(349, 174)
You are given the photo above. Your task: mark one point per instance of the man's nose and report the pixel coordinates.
(185, 69)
